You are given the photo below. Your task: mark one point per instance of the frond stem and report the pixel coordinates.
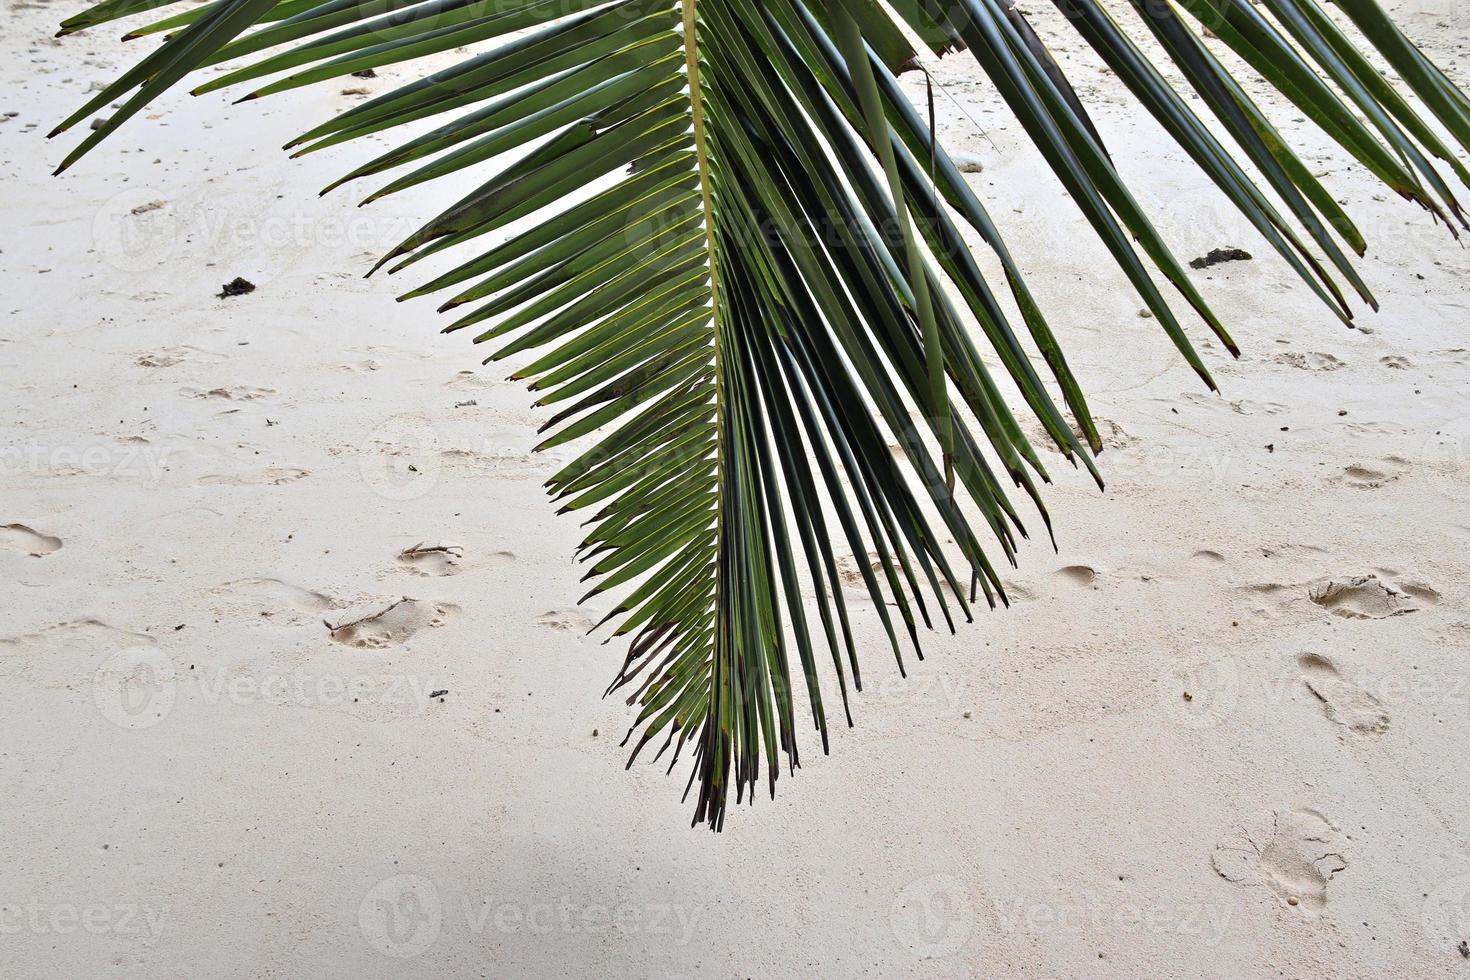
(701, 151)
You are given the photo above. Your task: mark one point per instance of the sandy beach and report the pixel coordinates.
(293, 681)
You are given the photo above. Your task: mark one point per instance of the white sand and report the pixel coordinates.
(195, 491)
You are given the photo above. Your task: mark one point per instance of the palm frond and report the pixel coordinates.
(735, 297)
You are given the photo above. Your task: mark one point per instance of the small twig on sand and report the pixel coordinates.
(418, 551)
(365, 619)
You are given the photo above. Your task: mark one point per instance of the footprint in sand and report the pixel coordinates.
(268, 597)
(272, 476)
(1418, 590)
(1396, 361)
(365, 366)
(1206, 556)
(1376, 428)
(849, 569)
(1363, 477)
(1019, 593)
(28, 541)
(1366, 597)
(171, 356)
(503, 464)
(1239, 406)
(159, 359)
(432, 559)
(850, 573)
(469, 381)
(1268, 599)
(1310, 361)
(565, 620)
(1343, 702)
(1083, 576)
(1294, 854)
(1112, 434)
(1458, 356)
(375, 625)
(233, 393)
(131, 682)
(855, 587)
(65, 656)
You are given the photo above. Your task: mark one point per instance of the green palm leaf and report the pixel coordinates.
(746, 298)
